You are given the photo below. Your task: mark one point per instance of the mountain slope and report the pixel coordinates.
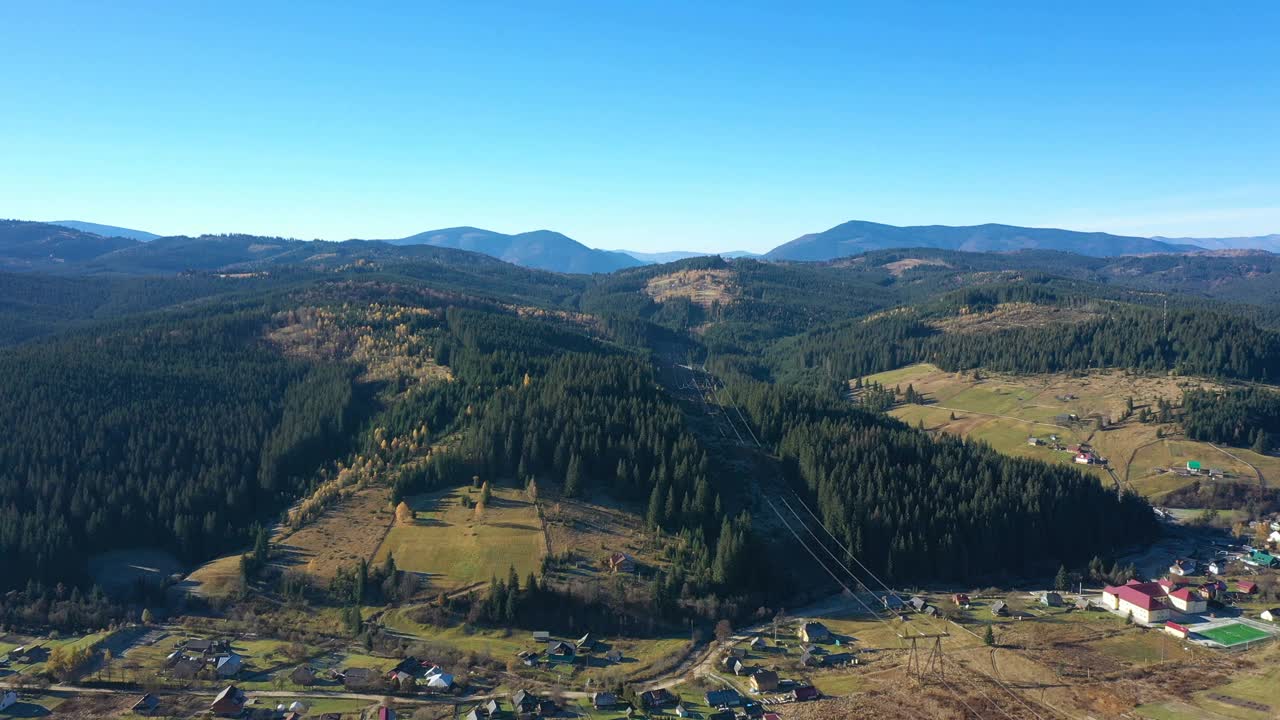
(675, 255)
(106, 230)
(41, 246)
(858, 236)
(1270, 243)
(541, 249)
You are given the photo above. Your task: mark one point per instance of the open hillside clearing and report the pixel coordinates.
(1006, 410)
(455, 545)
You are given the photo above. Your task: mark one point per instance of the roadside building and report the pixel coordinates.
(1245, 587)
(999, 608)
(230, 702)
(1176, 630)
(604, 701)
(358, 678)
(303, 675)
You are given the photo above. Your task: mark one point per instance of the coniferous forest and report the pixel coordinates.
(140, 419)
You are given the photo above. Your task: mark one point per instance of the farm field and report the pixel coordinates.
(453, 548)
(1005, 410)
(349, 530)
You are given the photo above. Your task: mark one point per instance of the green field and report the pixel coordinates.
(1234, 634)
(1004, 410)
(454, 548)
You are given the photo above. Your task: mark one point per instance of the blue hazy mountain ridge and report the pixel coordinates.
(857, 236)
(540, 249)
(106, 230)
(659, 258)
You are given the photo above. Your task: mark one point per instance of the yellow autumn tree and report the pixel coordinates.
(404, 513)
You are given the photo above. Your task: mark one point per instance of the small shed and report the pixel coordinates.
(1051, 599)
(1000, 608)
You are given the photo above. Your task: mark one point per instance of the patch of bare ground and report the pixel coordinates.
(898, 267)
(348, 530)
(1012, 315)
(700, 287)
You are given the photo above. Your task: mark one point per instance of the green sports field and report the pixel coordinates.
(1234, 634)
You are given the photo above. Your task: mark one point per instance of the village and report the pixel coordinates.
(1211, 602)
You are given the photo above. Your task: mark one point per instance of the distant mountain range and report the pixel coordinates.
(106, 230)
(1270, 243)
(658, 258)
(857, 236)
(541, 249)
(77, 246)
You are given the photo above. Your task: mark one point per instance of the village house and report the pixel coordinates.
(683, 711)
(1144, 601)
(8, 699)
(1188, 600)
(808, 658)
(764, 681)
(1051, 599)
(541, 636)
(805, 692)
(960, 599)
(604, 701)
(619, 562)
(186, 668)
(738, 652)
(1176, 630)
(733, 665)
(358, 678)
(586, 643)
(1245, 587)
(1216, 567)
(1271, 615)
(812, 632)
(303, 675)
(1182, 568)
(918, 603)
(653, 699)
(1262, 558)
(146, 705)
(230, 702)
(202, 646)
(757, 643)
(229, 665)
(561, 652)
(614, 656)
(999, 608)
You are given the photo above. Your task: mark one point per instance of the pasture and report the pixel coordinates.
(1005, 410)
(455, 547)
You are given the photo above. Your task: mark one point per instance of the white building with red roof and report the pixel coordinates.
(1145, 601)
(1188, 600)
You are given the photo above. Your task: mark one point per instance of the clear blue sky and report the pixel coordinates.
(692, 125)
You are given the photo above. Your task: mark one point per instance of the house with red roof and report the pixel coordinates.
(1246, 587)
(1188, 600)
(1176, 630)
(1144, 601)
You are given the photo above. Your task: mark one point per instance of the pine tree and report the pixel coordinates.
(989, 637)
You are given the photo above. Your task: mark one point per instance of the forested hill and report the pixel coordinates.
(181, 411)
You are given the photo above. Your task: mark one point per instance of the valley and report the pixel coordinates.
(456, 480)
